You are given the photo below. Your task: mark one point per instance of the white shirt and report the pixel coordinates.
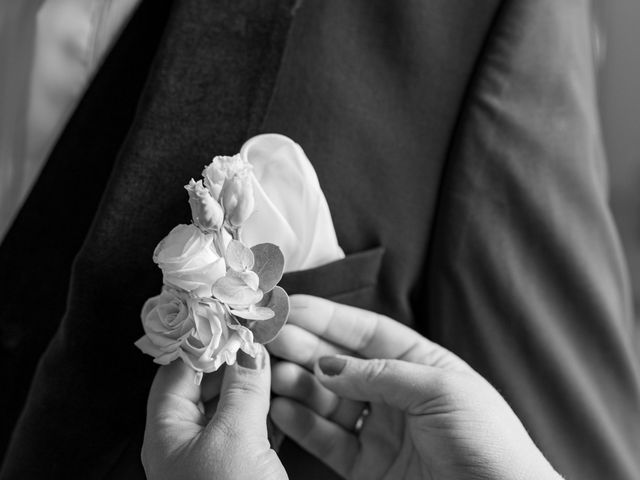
(46, 70)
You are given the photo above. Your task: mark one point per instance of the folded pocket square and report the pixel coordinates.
(291, 211)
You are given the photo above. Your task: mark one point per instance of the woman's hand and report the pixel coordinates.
(216, 430)
(431, 415)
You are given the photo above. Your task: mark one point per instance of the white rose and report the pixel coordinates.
(167, 323)
(198, 331)
(215, 339)
(189, 261)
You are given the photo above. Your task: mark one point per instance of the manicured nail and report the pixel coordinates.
(247, 361)
(332, 366)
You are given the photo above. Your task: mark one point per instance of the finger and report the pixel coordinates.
(325, 440)
(366, 333)
(174, 394)
(173, 415)
(398, 384)
(369, 334)
(244, 397)
(299, 346)
(293, 381)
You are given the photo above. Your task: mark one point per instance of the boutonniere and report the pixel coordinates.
(219, 295)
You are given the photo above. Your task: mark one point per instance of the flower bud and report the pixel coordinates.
(220, 169)
(237, 199)
(205, 210)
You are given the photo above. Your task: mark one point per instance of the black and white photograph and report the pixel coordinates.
(320, 239)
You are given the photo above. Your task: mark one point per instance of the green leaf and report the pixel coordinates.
(266, 330)
(269, 265)
(234, 292)
(238, 256)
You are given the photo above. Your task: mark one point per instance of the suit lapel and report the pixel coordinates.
(37, 253)
(208, 87)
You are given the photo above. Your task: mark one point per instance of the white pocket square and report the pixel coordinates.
(291, 211)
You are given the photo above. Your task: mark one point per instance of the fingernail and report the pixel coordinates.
(247, 361)
(332, 366)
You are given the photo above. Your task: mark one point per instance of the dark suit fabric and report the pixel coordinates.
(37, 253)
(526, 264)
(458, 146)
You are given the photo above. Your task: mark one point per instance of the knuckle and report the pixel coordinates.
(369, 322)
(438, 357)
(290, 379)
(282, 374)
(375, 369)
(242, 389)
(296, 345)
(317, 348)
(303, 385)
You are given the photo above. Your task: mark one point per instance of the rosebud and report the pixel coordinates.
(237, 199)
(205, 210)
(220, 169)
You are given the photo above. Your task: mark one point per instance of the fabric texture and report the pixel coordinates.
(37, 254)
(458, 147)
(525, 264)
(54, 49)
(199, 100)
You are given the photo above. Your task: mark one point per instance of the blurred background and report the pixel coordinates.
(619, 45)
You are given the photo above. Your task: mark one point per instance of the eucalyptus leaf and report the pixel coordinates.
(255, 313)
(268, 264)
(234, 292)
(238, 256)
(266, 330)
(249, 277)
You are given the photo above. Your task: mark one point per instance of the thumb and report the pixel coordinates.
(402, 385)
(245, 394)
(173, 392)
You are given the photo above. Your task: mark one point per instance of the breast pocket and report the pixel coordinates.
(351, 280)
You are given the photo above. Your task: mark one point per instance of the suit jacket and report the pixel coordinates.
(459, 149)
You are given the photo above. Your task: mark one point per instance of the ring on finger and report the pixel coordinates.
(359, 425)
